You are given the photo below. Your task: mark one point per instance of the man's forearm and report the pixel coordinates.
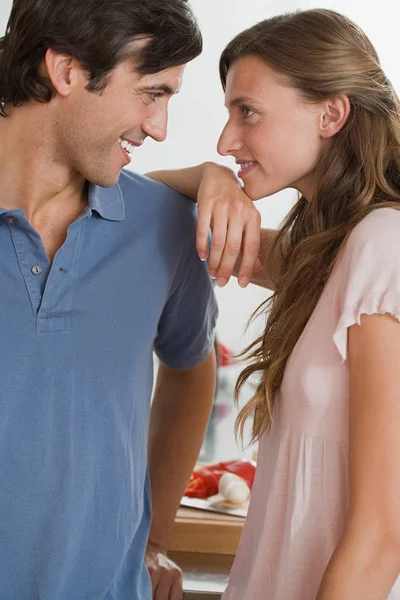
(180, 412)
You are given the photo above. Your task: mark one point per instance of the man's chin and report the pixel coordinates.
(105, 181)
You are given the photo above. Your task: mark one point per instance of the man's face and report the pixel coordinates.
(99, 131)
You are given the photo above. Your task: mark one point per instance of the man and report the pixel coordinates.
(98, 267)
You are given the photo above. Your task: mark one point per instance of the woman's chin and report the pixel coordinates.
(257, 192)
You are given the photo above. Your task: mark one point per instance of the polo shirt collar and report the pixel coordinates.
(107, 202)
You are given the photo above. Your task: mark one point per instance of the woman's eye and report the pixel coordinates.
(246, 111)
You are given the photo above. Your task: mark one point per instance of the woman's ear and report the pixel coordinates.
(334, 115)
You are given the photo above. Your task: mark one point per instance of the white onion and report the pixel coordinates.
(233, 488)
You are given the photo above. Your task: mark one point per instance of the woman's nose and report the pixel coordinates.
(228, 141)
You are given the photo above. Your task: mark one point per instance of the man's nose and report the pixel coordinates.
(156, 125)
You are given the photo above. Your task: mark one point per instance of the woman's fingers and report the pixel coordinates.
(219, 227)
(258, 266)
(235, 237)
(203, 229)
(231, 251)
(235, 223)
(242, 243)
(250, 250)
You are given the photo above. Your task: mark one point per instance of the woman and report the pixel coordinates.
(310, 108)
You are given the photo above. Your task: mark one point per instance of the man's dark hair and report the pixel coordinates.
(98, 33)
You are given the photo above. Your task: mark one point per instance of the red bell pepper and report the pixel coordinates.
(204, 481)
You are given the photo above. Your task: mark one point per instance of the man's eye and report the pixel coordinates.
(154, 95)
(246, 111)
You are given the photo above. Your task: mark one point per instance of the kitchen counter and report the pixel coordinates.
(203, 532)
(205, 576)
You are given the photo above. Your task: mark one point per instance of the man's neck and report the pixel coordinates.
(32, 175)
(34, 178)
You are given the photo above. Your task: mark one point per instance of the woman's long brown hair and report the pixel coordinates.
(322, 54)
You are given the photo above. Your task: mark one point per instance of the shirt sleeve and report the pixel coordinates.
(186, 328)
(370, 273)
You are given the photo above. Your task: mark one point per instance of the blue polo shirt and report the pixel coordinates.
(76, 364)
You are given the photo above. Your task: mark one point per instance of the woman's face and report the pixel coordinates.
(272, 131)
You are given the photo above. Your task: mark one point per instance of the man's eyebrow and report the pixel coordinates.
(164, 88)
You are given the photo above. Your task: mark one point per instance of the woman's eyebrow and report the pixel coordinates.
(242, 100)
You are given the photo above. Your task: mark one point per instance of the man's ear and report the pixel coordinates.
(64, 72)
(335, 112)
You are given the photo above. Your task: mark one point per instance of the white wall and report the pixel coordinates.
(5, 6)
(197, 115)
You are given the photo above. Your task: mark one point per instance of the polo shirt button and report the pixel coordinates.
(36, 269)
(11, 220)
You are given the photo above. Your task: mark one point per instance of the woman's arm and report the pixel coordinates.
(366, 562)
(185, 181)
(236, 247)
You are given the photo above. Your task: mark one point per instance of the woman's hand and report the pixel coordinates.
(223, 206)
(235, 225)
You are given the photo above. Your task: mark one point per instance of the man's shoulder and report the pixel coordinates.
(146, 196)
(132, 180)
(133, 183)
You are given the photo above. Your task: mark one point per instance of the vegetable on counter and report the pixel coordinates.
(231, 488)
(204, 481)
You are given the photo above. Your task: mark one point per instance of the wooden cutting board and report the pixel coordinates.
(206, 532)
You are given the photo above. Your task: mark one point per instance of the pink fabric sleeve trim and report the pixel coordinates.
(388, 303)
